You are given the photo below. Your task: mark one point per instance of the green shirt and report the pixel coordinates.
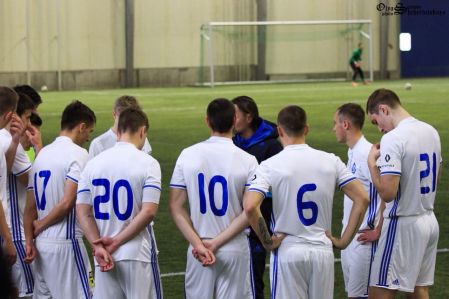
(31, 154)
(356, 55)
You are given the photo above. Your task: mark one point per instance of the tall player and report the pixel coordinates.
(117, 200)
(357, 257)
(212, 176)
(302, 180)
(406, 178)
(16, 195)
(61, 263)
(109, 138)
(8, 103)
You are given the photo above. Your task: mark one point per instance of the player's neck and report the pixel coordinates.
(352, 138)
(293, 140)
(399, 115)
(69, 134)
(225, 135)
(130, 138)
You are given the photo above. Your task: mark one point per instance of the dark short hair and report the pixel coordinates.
(221, 113)
(131, 119)
(353, 112)
(125, 102)
(24, 103)
(293, 120)
(382, 96)
(76, 113)
(35, 119)
(8, 100)
(31, 92)
(248, 106)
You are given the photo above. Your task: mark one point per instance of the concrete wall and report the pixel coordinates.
(84, 39)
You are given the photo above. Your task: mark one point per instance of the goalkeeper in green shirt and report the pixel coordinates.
(356, 64)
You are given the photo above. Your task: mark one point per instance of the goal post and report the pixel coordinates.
(282, 51)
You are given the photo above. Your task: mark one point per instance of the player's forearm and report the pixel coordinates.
(184, 224)
(87, 223)
(57, 214)
(237, 226)
(29, 215)
(259, 226)
(384, 193)
(355, 220)
(139, 223)
(4, 230)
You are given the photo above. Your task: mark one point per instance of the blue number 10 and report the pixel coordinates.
(218, 179)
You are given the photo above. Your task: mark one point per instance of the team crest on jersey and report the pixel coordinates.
(396, 282)
(354, 168)
(387, 157)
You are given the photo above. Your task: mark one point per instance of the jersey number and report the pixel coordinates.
(101, 199)
(42, 202)
(307, 205)
(426, 172)
(218, 179)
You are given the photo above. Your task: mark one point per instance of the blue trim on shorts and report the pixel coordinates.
(274, 274)
(81, 268)
(251, 272)
(155, 265)
(373, 252)
(386, 257)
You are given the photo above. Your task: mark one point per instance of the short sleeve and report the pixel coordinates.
(84, 193)
(76, 166)
(152, 186)
(252, 171)
(390, 156)
(30, 180)
(21, 163)
(177, 179)
(261, 180)
(344, 176)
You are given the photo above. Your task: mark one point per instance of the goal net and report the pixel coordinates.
(282, 51)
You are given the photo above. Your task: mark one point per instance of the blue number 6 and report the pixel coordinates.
(308, 205)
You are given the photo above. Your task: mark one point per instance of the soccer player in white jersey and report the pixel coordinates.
(16, 195)
(357, 257)
(109, 138)
(117, 200)
(212, 176)
(302, 181)
(406, 178)
(62, 266)
(8, 103)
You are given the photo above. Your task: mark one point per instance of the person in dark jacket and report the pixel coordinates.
(257, 137)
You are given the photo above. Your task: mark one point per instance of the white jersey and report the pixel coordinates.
(413, 151)
(303, 181)
(3, 181)
(358, 165)
(117, 188)
(108, 140)
(215, 173)
(16, 191)
(57, 162)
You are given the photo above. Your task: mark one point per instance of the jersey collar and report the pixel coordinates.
(406, 121)
(296, 146)
(219, 139)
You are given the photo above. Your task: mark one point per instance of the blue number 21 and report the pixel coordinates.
(306, 205)
(426, 172)
(218, 179)
(102, 199)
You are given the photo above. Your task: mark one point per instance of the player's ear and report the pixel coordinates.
(280, 131)
(207, 121)
(346, 124)
(306, 130)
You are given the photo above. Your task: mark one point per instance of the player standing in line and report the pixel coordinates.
(117, 200)
(302, 180)
(406, 178)
(8, 103)
(109, 138)
(16, 195)
(62, 267)
(257, 137)
(212, 175)
(357, 257)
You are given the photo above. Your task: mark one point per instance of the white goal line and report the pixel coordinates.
(171, 274)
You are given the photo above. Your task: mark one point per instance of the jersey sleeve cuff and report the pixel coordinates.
(258, 190)
(178, 186)
(23, 171)
(342, 184)
(72, 179)
(391, 173)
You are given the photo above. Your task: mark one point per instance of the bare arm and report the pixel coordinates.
(355, 191)
(9, 249)
(16, 130)
(30, 215)
(60, 211)
(23, 178)
(251, 202)
(177, 200)
(386, 185)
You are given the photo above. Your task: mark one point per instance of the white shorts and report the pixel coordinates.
(356, 262)
(128, 279)
(228, 278)
(302, 271)
(22, 273)
(62, 269)
(406, 254)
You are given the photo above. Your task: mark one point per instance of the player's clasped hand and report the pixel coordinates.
(368, 235)
(204, 255)
(103, 258)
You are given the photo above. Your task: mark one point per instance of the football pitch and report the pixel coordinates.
(177, 120)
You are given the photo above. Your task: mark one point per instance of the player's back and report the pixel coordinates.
(413, 151)
(116, 180)
(215, 173)
(303, 182)
(57, 162)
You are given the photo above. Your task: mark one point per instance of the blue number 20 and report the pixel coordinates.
(42, 202)
(224, 184)
(101, 199)
(307, 205)
(426, 172)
